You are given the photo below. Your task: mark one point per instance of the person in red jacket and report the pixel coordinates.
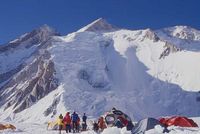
(101, 123)
(67, 121)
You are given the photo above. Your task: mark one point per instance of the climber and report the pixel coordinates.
(75, 119)
(67, 122)
(101, 123)
(84, 123)
(60, 123)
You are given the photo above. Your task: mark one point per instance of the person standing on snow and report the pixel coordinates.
(84, 124)
(60, 123)
(75, 119)
(67, 122)
(101, 123)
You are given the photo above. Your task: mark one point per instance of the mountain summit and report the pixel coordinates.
(98, 25)
(142, 72)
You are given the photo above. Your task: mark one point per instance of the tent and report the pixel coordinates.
(53, 125)
(7, 126)
(112, 116)
(10, 126)
(146, 124)
(178, 121)
(2, 127)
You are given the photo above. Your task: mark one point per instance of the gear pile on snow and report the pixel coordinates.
(112, 116)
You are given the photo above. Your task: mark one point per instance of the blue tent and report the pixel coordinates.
(146, 124)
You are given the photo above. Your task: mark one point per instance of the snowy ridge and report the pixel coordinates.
(183, 32)
(183, 37)
(13, 54)
(144, 73)
(99, 25)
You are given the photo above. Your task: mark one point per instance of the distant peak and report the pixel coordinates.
(100, 20)
(183, 27)
(179, 27)
(183, 32)
(34, 37)
(46, 29)
(98, 25)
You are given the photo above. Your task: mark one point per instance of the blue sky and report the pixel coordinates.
(21, 16)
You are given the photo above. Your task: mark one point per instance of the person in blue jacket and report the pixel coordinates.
(84, 124)
(75, 120)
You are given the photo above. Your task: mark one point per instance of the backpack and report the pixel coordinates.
(75, 117)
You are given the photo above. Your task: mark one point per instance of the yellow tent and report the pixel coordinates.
(53, 125)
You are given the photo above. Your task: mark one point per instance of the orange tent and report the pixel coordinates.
(2, 127)
(178, 121)
(7, 126)
(10, 126)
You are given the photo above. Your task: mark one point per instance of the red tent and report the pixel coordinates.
(178, 121)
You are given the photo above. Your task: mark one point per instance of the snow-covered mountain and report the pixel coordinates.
(142, 72)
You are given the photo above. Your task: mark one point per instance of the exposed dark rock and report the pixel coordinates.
(83, 74)
(98, 84)
(39, 78)
(169, 48)
(105, 43)
(52, 107)
(151, 35)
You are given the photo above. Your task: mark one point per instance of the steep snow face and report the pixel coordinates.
(176, 68)
(100, 70)
(141, 72)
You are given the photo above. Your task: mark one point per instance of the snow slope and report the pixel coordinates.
(141, 72)
(176, 68)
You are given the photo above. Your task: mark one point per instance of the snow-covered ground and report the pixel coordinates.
(36, 128)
